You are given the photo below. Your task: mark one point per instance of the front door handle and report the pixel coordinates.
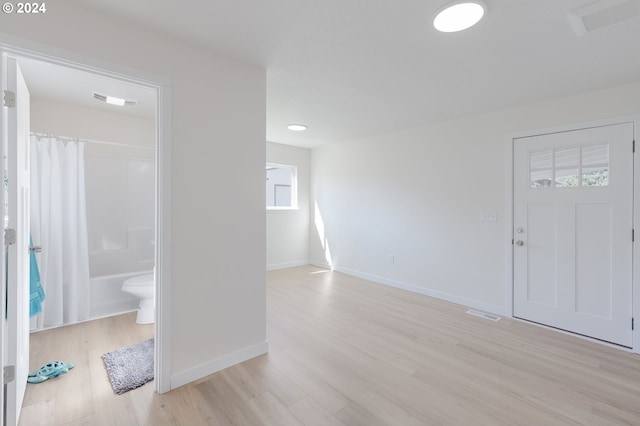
(519, 243)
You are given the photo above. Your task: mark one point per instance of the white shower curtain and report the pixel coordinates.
(59, 226)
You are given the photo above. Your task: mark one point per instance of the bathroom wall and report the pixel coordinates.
(71, 120)
(120, 194)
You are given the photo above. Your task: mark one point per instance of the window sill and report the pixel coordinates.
(282, 209)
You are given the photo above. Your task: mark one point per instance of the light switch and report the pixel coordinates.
(489, 216)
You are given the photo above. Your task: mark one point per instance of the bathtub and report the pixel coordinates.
(107, 298)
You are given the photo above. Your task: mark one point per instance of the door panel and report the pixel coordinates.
(17, 256)
(573, 199)
(542, 282)
(593, 260)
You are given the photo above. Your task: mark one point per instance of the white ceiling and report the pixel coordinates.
(357, 68)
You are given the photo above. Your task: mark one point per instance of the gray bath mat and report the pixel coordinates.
(130, 367)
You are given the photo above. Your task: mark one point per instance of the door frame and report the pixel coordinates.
(21, 48)
(509, 210)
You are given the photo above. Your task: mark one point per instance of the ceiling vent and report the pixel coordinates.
(602, 14)
(108, 99)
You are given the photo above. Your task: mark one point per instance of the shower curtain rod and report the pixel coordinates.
(69, 138)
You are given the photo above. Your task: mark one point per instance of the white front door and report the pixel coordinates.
(16, 269)
(573, 219)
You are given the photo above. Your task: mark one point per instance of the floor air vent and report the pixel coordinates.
(483, 315)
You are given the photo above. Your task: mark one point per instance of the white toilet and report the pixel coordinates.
(143, 287)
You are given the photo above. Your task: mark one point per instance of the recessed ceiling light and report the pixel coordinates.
(459, 15)
(297, 127)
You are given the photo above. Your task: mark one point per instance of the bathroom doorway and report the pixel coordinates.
(93, 154)
(134, 250)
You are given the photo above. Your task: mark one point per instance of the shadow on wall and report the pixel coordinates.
(324, 243)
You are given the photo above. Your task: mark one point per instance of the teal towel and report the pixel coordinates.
(37, 292)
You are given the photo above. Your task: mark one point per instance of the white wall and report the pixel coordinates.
(218, 230)
(120, 190)
(59, 118)
(288, 230)
(418, 194)
(119, 181)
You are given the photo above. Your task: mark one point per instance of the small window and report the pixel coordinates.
(282, 187)
(563, 167)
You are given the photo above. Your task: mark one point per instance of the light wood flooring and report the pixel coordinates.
(344, 351)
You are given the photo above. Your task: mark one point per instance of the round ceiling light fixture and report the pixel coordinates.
(459, 15)
(297, 127)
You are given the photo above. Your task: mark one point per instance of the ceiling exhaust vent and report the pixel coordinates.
(602, 14)
(114, 101)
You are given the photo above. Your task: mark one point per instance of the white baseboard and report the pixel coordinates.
(285, 265)
(218, 364)
(471, 303)
(320, 264)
